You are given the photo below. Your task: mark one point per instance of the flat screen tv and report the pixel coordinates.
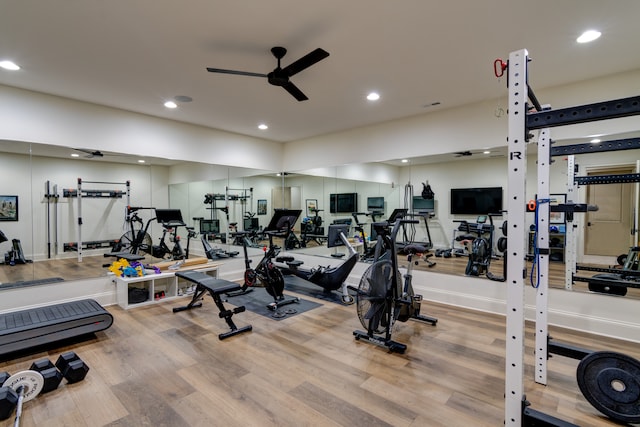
(476, 201)
(343, 203)
(209, 226)
(421, 204)
(375, 203)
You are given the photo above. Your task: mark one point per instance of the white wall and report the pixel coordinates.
(470, 127)
(35, 117)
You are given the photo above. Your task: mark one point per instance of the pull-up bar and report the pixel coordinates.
(103, 182)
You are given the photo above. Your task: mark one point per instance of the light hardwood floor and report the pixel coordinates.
(157, 368)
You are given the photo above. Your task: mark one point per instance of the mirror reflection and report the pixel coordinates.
(49, 233)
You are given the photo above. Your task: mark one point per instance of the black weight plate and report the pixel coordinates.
(274, 281)
(611, 383)
(502, 244)
(605, 289)
(622, 259)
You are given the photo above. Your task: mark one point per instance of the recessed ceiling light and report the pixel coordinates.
(486, 152)
(170, 104)
(588, 36)
(405, 160)
(595, 141)
(262, 126)
(9, 65)
(373, 96)
(75, 155)
(140, 161)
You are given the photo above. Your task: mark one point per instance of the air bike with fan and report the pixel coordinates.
(383, 297)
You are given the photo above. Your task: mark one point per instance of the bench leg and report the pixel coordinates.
(195, 300)
(227, 315)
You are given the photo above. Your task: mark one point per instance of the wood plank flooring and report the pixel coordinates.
(157, 368)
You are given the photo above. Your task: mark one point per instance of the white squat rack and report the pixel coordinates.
(521, 123)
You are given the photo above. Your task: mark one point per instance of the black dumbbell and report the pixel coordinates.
(73, 369)
(52, 376)
(8, 402)
(4, 376)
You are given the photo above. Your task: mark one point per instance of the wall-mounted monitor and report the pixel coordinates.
(250, 224)
(375, 203)
(423, 205)
(476, 201)
(343, 203)
(209, 226)
(333, 236)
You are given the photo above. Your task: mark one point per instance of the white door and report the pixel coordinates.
(608, 230)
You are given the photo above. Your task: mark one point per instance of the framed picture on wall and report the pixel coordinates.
(8, 208)
(262, 206)
(312, 205)
(556, 217)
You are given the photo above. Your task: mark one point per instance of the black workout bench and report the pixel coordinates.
(215, 287)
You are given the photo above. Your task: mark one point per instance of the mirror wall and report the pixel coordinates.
(164, 183)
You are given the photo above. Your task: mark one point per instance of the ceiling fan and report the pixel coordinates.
(90, 154)
(463, 153)
(280, 76)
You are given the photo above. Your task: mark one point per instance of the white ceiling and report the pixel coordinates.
(135, 54)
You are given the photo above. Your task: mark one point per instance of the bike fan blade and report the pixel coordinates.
(305, 62)
(240, 73)
(295, 92)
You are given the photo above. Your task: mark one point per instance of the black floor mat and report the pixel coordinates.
(304, 287)
(257, 300)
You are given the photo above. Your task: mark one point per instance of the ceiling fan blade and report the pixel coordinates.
(90, 154)
(240, 73)
(294, 91)
(305, 62)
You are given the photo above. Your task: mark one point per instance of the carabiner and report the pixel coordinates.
(498, 67)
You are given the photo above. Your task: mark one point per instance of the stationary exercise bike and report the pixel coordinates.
(265, 272)
(328, 278)
(137, 241)
(382, 297)
(481, 245)
(312, 229)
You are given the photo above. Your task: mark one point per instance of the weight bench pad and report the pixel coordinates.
(212, 284)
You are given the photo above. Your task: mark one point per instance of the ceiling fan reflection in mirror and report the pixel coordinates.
(90, 154)
(463, 154)
(97, 154)
(280, 76)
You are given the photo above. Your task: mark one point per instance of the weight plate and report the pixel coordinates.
(32, 381)
(611, 383)
(606, 289)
